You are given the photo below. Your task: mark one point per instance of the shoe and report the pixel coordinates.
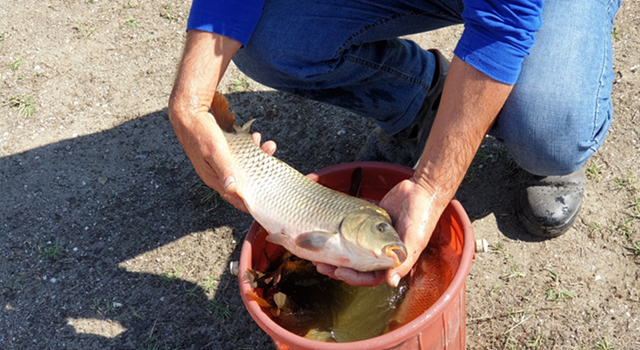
(405, 147)
(548, 205)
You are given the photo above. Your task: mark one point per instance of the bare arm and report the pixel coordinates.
(205, 59)
(469, 106)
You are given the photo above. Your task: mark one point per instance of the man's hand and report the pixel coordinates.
(204, 61)
(470, 104)
(411, 209)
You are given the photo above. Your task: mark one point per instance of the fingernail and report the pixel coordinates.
(395, 280)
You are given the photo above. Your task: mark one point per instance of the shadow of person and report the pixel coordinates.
(106, 242)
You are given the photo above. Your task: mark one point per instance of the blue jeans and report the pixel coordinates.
(347, 53)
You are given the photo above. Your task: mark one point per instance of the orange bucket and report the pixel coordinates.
(441, 326)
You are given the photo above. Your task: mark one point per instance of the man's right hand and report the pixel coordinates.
(204, 61)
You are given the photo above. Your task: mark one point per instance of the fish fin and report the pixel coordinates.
(246, 128)
(220, 110)
(356, 182)
(314, 240)
(276, 238)
(261, 301)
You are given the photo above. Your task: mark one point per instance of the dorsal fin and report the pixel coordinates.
(220, 109)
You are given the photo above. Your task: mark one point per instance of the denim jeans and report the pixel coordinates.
(347, 53)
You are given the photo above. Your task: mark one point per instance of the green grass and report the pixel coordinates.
(537, 341)
(554, 275)
(171, 275)
(553, 295)
(15, 65)
(51, 251)
(241, 85)
(24, 104)
(513, 274)
(221, 309)
(634, 250)
(603, 344)
(131, 22)
(626, 230)
(210, 283)
(169, 13)
(593, 170)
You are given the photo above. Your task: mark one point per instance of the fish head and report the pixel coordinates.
(373, 239)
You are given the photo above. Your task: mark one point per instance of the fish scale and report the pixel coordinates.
(310, 220)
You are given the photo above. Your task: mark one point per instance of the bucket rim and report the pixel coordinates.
(386, 340)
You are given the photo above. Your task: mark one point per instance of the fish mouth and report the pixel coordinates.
(397, 252)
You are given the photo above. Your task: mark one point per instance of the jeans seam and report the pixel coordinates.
(389, 70)
(601, 84)
(365, 29)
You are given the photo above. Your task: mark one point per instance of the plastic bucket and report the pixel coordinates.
(441, 326)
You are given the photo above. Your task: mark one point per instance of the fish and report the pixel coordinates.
(309, 220)
(317, 307)
(314, 306)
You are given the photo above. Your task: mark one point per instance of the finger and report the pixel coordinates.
(358, 278)
(256, 138)
(325, 269)
(269, 147)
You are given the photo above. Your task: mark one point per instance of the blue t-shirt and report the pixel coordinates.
(497, 36)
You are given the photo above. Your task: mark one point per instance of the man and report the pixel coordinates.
(536, 77)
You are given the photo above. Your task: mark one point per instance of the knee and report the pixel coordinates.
(552, 135)
(279, 63)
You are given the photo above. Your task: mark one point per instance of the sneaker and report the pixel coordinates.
(548, 205)
(405, 147)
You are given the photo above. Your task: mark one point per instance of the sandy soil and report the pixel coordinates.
(109, 241)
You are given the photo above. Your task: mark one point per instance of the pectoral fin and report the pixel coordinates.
(277, 238)
(315, 240)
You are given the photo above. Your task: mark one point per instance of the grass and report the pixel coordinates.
(626, 230)
(169, 13)
(537, 341)
(603, 344)
(593, 170)
(513, 274)
(615, 34)
(499, 249)
(221, 309)
(207, 195)
(15, 283)
(634, 250)
(131, 22)
(15, 65)
(241, 85)
(210, 283)
(553, 295)
(51, 251)
(171, 275)
(554, 275)
(23, 103)
(4, 36)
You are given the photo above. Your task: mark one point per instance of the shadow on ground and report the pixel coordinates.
(83, 219)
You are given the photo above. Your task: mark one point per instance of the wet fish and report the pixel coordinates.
(311, 221)
(317, 307)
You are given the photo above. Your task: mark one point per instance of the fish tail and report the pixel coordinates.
(225, 119)
(220, 110)
(261, 301)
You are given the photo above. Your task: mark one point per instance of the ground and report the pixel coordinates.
(109, 240)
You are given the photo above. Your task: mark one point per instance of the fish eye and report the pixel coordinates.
(383, 226)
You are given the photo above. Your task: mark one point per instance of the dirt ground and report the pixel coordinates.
(109, 241)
